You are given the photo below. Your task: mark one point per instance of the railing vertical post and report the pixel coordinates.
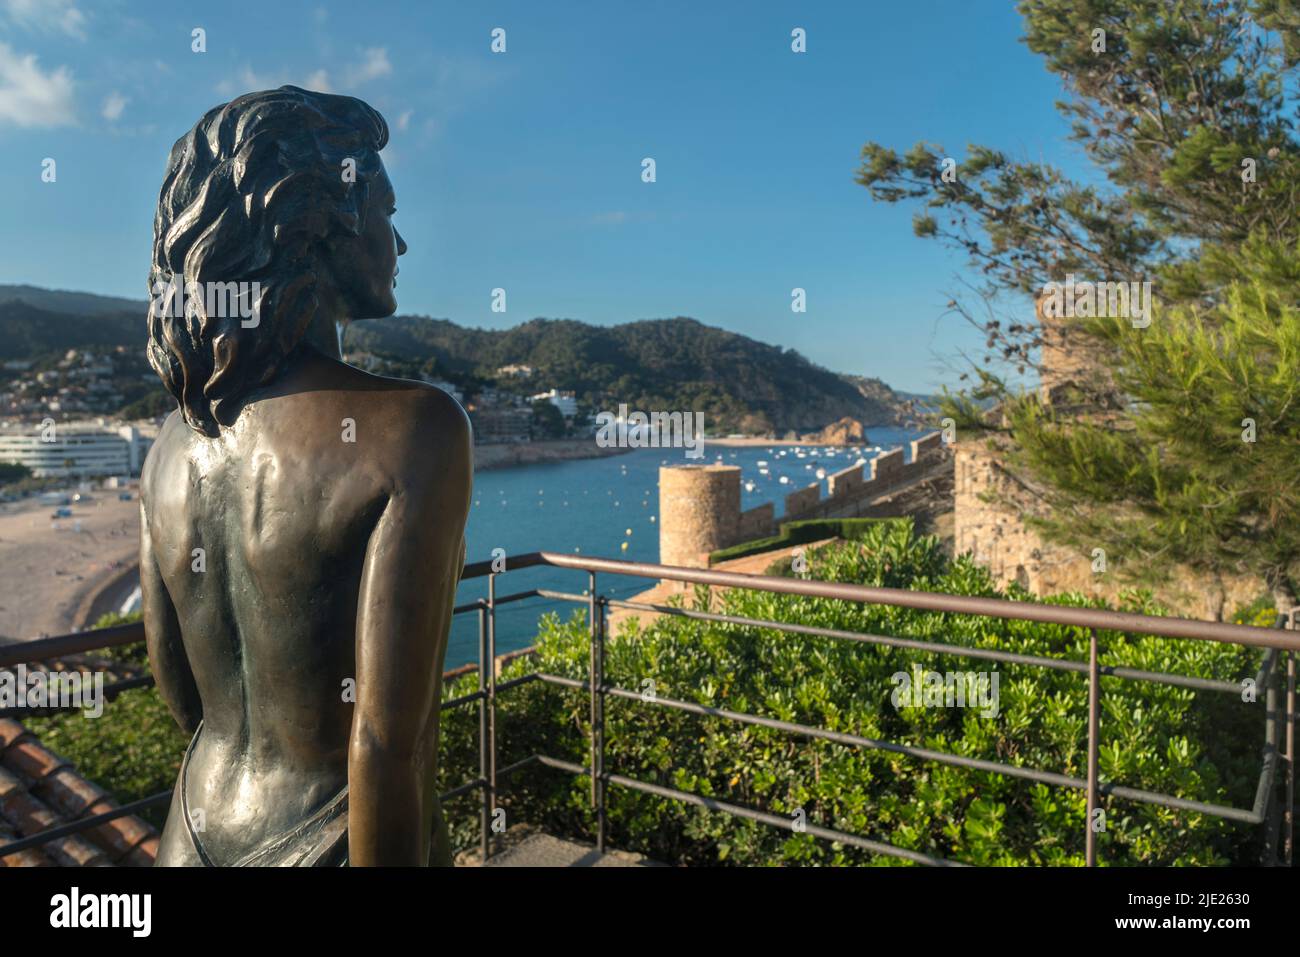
(602, 818)
(1094, 689)
(597, 682)
(1289, 818)
(492, 692)
(1272, 728)
(485, 812)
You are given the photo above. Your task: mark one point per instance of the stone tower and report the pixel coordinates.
(995, 532)
(699, 508)
(1068, 362)
(990, 504)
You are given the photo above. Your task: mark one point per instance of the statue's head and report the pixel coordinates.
(275, 208)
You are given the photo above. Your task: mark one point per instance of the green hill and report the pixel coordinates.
(71, 303)
(740, 384)
(28, 331)
(662, 364)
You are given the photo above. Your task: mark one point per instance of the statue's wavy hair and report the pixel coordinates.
(255, 192)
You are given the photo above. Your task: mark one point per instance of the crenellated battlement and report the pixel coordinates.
(699, 506)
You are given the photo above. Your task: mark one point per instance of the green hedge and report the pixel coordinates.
(133, 749)
(800, 533)
(1195, 745)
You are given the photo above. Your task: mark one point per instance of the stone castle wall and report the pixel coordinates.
(996, 536)
(850, 490)
(756, 523)
(699, 505)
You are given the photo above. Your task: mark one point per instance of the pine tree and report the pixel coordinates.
(1203, 467)
(1182, 104)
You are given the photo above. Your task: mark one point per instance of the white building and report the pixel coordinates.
(566, 402)
(76, 449)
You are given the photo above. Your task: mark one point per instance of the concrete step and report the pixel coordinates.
(528, 847)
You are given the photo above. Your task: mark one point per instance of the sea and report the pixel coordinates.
(609, 508)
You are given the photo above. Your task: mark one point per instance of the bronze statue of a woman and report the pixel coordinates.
(303, 520)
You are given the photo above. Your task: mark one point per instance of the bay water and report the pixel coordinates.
(609, 508)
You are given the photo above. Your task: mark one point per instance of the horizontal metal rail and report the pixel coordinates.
(1100, 618)
(111, 691)
(961, 651)
(925, 754)
(1105, 619)
(44, 649)
(713, 804)
(82, 824)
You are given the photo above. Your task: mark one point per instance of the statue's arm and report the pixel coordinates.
(408, 586)
(162, 632)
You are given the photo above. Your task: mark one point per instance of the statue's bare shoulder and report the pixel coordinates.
(420, 432)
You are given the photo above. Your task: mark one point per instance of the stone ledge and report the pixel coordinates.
(527, 846)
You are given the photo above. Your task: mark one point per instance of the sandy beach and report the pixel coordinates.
(52, 569)
(58, 576)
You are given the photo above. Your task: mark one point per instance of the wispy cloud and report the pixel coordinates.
(46, 16)
(248, 80)
(373, 65)
(114, 104)
(32, 97)
(320, 81)
(459, 84)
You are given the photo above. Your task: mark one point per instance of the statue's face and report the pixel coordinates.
(365, 267)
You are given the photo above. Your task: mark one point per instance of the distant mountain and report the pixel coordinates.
(652, 365)
(72, 303)
(661, 364)
(27, 331)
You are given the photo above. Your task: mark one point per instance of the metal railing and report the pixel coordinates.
(1277, 644)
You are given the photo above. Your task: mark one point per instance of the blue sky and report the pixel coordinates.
(522, 170)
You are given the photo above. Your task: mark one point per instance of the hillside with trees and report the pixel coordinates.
(740, 384)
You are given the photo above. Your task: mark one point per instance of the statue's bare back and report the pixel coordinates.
(268, 527)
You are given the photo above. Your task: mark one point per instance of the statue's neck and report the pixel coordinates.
(325, 334)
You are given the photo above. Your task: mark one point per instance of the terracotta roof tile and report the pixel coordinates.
(32, 857)
(40, 790)
(28, 815)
